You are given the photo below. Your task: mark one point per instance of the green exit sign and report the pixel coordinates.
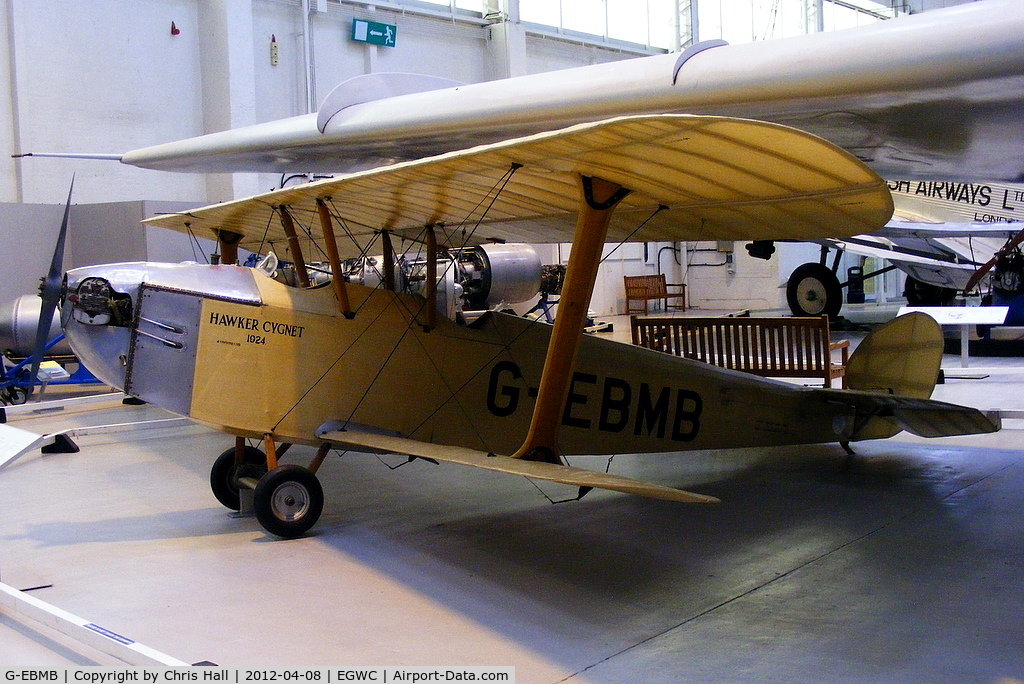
(373, 32)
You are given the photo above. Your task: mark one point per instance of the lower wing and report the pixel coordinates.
(357, 439)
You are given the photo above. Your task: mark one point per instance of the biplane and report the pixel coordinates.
(776, 140)
(375, 369)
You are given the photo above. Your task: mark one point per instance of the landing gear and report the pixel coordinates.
(13, 395)
(288, 500)
(224, 475)
(813, 290)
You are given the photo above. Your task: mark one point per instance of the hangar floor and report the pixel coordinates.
(906, 566)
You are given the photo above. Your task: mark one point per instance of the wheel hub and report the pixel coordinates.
(812, 292)
(290, 501)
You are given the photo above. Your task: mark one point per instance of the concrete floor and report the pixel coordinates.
(906, 566)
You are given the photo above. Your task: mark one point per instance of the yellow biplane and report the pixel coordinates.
(375, 369)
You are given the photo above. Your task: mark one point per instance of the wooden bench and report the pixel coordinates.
(647, 288)
(770, 347)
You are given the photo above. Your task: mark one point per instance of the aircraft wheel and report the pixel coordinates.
(288, 500)
(224, 476)
(15, 395)
(814, 290)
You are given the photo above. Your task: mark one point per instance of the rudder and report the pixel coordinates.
(901, 357)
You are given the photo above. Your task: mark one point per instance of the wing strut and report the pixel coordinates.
(599, 199)
(293, 245)
(389, 261)
(228, 241)
(430, 286)
(331, 246)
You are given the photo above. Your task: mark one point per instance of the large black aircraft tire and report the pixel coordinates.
(288, 501)
(814, 290)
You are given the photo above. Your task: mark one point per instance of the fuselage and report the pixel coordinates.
(236, 350)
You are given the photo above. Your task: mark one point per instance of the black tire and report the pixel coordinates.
(288, 501)
(224, 477)
(814, 290)
(925, 294)
(15, 395)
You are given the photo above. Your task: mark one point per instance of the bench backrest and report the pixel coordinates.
(645, 286)
(761, 345)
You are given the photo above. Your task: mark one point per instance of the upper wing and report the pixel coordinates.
(936, 95)
(714, 178)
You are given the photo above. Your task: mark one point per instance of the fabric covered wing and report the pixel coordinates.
(359, 439)
(714, 177)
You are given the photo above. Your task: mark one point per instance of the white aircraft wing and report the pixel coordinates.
(900, 250)
(15, 443)
(904, 229)
(690, 178)
(943, 254)
(937, 95)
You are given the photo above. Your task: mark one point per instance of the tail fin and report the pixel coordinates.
(902, 357)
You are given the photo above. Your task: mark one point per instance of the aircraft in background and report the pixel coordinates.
(941, 109)
(942, 234)
(931, 96)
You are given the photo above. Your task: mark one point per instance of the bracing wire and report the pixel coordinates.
(500, 185)
(661, 208)
(194, 243)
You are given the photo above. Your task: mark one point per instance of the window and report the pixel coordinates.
(652, 22)
(643, 22)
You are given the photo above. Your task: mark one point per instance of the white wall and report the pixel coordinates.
(103, 76)
(107, 76)
(97, 233)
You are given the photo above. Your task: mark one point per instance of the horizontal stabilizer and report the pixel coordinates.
(357, 439)
(922, 417)
(927, 418)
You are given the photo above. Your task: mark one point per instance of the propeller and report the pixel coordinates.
(49, 290)
(987, 266)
